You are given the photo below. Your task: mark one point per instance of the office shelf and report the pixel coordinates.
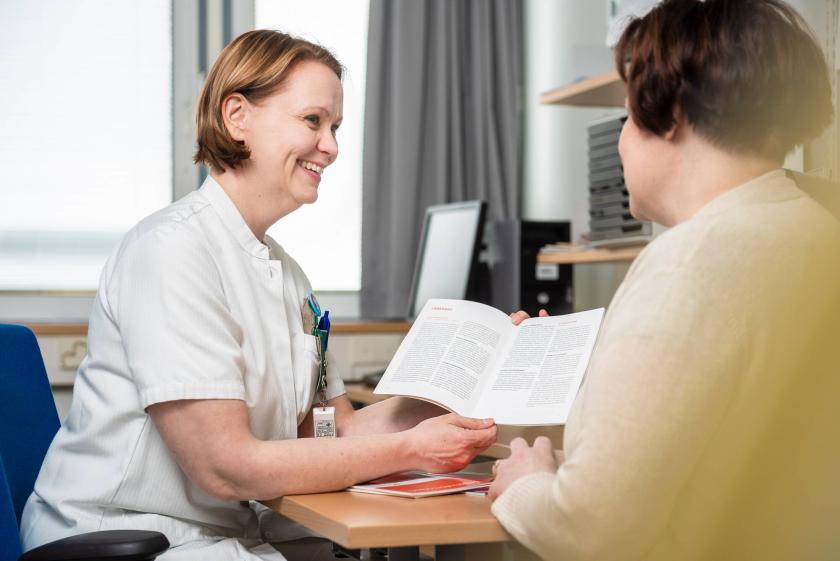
(594, 255)
(603, 90)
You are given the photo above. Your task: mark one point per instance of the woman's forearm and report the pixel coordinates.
(391, 415)
(308, 465)
(213, 444)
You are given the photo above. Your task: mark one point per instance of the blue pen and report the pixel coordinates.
(324, 325)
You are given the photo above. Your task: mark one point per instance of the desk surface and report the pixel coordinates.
(590, 255)
(362, 393)
(357, 520)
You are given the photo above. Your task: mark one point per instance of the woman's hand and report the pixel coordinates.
(520, 316)
(449, 442)
(524, 460)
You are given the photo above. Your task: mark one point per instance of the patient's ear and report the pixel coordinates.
(680, 126)
(235, 115)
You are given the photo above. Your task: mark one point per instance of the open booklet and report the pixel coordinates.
(470, 358)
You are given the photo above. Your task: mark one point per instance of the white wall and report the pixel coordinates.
(565, 40)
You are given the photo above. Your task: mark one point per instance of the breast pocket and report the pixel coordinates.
(307, 363)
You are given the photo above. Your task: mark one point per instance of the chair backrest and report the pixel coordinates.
(9, 541)
(28, 418)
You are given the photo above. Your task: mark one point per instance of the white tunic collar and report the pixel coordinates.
(223, 205)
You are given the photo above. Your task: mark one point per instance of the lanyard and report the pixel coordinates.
(322, 336)
(324, 417)
(321, 330)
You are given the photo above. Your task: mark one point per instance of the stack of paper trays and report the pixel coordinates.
(610, 221)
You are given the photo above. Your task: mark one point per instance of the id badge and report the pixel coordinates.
(324, 421)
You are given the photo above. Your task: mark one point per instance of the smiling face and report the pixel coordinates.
(291, 133)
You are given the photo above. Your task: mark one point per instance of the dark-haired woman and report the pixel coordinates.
(707, 426)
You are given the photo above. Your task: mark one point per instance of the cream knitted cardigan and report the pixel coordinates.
(669, 442)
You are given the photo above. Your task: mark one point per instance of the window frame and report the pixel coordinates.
(200, 29)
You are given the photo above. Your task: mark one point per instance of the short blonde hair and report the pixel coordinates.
(256, 64)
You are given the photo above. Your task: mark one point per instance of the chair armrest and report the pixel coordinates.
(123, 545)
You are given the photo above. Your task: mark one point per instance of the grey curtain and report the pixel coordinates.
(443, 123)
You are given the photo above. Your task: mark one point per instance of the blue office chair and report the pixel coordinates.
(28, 423)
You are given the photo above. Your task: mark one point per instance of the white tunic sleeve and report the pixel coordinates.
(168, 302)
(335, 385)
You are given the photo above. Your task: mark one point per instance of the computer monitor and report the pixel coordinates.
(447, 258)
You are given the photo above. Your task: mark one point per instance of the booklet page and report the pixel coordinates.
(446, 355)
(539, 374)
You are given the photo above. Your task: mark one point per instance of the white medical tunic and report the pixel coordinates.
(190, 306)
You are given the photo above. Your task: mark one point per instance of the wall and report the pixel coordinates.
(565, 40)
(823, 155)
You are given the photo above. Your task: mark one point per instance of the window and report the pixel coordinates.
(332, 260)
(85, 135)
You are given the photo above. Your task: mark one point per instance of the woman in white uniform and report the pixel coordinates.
(197, 392)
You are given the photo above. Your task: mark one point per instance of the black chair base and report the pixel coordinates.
(109, 545)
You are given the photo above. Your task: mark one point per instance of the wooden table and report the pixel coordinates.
(360, 521)
(362, 394)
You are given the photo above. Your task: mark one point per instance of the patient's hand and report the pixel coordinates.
(520, 316)
(524, 460)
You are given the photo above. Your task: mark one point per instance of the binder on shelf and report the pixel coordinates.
(609, 209)
(608, 197)
(610, 151)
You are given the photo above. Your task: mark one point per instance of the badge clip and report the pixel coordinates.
(324, 421)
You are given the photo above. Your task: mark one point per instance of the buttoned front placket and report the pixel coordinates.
(284, 368)
(271, 384)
